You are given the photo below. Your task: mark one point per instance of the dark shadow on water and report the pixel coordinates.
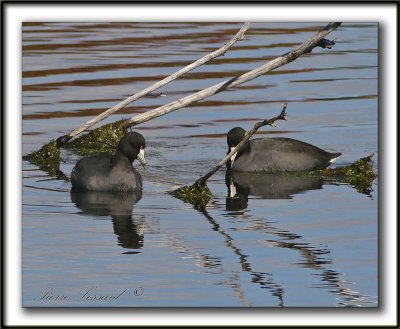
(129, 231)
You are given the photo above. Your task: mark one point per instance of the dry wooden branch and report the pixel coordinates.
(202, 94)
(239, 36)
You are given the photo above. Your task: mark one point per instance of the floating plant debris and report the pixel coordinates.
(198, 194)
(359, 174)
(102, 139)
(47, 158)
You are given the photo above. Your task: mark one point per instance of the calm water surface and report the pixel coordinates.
(282, 242)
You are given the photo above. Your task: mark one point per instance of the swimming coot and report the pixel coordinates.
(108, 172)
(276, 154)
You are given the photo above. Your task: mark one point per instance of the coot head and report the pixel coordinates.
(132, 146)
(233, 138)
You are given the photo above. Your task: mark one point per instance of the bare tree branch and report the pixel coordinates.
(239, 36)
(202, 94)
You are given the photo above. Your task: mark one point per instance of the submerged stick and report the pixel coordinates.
(239, 36)
(202, 94)
(198, 193)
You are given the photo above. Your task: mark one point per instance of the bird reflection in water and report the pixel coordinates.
(119, 206)
(267, 186)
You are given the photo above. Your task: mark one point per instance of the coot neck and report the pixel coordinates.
(245, 150)
(121, 158)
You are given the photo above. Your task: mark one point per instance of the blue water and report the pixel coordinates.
(307, 244)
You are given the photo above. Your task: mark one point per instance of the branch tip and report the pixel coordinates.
(283, 115)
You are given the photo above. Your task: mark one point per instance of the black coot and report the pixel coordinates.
(276, 154)
(108, 172)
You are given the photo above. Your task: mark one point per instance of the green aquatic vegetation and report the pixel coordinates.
(102, 139)
(198, 194)
(359, 174)
(47, 158)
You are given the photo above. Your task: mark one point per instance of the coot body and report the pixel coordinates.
(276, 154)
(111, 172)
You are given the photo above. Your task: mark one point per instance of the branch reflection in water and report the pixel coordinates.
(264, 279)
(285, 186)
